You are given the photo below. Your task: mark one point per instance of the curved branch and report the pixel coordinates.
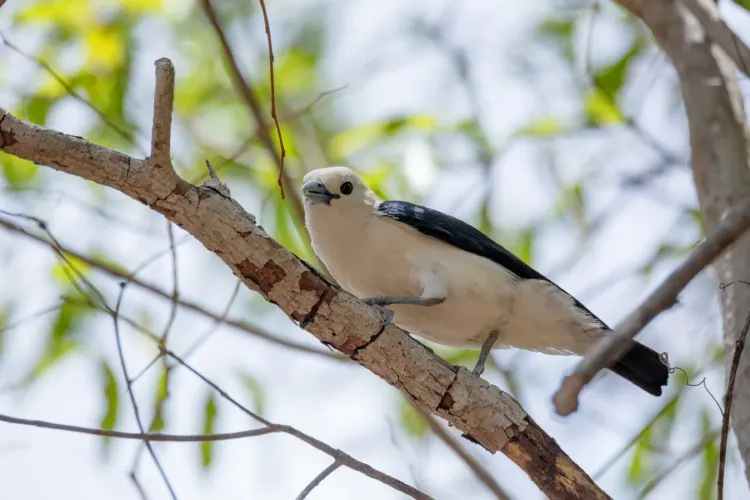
(482, 411)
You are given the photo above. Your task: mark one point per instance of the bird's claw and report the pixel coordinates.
(478, 369)
(386, 315)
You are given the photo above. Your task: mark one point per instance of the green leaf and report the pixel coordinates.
(611, 78)
(546, 126)
(464, 357)
(525, 247)
(162, 393)
(696, 215)
(560, 33)
(710, 461)
(256, 390)
(36, 109)
(641, 461)
(600, 109)
(412, 421)
(62, 272)
(109, 418)
(4, 317)
(295, 72)
(61, 340)
(209, 416)
(19, 173)
(745, 4)
(355, 139)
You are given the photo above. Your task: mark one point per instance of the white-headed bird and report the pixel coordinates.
(446, 281)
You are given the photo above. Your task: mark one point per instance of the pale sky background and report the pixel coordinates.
(343, 404)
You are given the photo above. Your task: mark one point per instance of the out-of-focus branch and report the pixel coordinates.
(610, 348)
(318, 479)
(722, 35)
(482, 411)
(477, 468)
(243, 86)
(739, 346)
(148, 436)
(117, 272)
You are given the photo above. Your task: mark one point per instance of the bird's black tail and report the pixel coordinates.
(642, 366)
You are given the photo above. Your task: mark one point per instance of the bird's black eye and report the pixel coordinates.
(347, 188)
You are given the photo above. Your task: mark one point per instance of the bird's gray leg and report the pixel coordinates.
(416, 301)
(486, 348)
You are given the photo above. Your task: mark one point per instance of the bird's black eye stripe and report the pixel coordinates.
(347, 188)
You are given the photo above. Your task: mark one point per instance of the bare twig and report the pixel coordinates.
(148, 436)
(739, 345)
(273, 98)
(722, 35)
(175, 287)
(243, 86)
(476, 467)
(192, 306)
(129, 383)
(217, 323)
(608, 349)
(318, 479)
(161, 132)
(338, 455)
(160, 161)
(128, 136)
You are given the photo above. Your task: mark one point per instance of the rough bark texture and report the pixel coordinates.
(483, 412)
(720, 162)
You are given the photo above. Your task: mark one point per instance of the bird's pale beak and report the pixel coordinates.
(316, 192)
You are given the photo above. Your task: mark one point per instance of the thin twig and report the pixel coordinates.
(318, 479)
(128, 136)
(273, 98)
(243, 86)
(476, 467)
(338, 455)
(739, 345)
(148, 436)
(133, 402)
(217, 323)
(175, 287)
(611, 347)
(192, 306)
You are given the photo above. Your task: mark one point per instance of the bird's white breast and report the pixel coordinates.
(382, 257)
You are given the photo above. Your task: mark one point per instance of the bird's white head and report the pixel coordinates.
(335, 188)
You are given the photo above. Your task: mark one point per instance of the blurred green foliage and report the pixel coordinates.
(209, 417)
(87, 55)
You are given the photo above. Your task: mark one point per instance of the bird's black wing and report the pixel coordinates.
(464, 236)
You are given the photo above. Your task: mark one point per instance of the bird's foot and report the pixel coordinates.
(484, 353)
(416, 301)
(386, 315)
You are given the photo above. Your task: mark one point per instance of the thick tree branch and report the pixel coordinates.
(720, 160)
(722, 35)
(605, 352)
(483, 412)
